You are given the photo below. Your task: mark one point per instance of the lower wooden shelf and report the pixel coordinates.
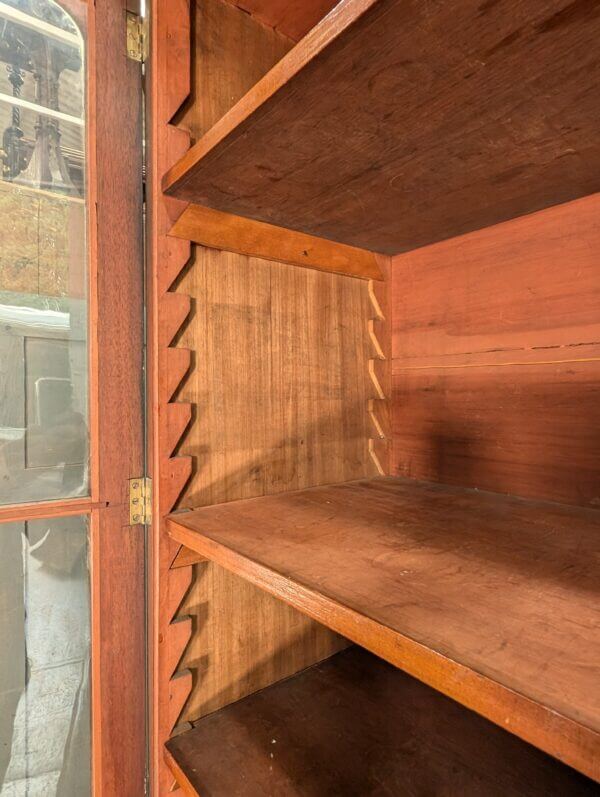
(486, 598)
(355, 725)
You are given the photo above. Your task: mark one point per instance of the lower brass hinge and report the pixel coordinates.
(140, 501)
(136, 37)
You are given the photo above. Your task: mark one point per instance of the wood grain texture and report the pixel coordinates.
(380, 370)
(280, 378)
(488, 599)
(247, 237)
(181, 783)
(244, 640)
(280, 389)
(281, 386)
(185, 557)
(168, 87)
(496, 357)
(491, 118)
(231, 52)
(291, 18)
(115, 244)
(48, 509)
(117, 321)
(118, 635)
(355, 725)
(529, 429)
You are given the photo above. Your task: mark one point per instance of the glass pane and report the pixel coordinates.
(45, 659)
(43, 267)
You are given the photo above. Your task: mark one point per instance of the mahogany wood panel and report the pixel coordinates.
(231, 52)
(247, 237)
(488, 599)
(280, 378)
(116, 316)
(118, 654)
(185, 558)
(397, 123)
(525, 289)
(281, 386)
(115, 243)
(496, 357)
(293, 18)
(354, 725)
(280, 389)
(244, 640)
(168, 87)
(181, 782)
(10, 513)
(528, 429)
(380, 370)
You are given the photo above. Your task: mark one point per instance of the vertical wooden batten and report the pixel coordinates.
(169, 80)
(380, 368)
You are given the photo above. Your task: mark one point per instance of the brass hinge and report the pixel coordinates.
(136, 37)
(140, 501)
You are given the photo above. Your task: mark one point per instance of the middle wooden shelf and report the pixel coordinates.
(484, 597)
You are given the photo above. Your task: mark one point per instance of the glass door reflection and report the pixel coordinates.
(45, 660)
(43, 257)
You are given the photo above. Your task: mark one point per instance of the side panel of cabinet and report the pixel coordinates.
(265, 377)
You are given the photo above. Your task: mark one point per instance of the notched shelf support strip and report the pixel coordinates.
(245, 236)
(172, 568)
(380, 370)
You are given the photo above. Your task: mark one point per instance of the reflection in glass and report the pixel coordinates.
(43, 269)
(44, 679)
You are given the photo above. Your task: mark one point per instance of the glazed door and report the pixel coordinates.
(72, 684)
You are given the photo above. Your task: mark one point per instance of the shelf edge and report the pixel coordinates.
(533, 722)
(179, 775)
(343, 16)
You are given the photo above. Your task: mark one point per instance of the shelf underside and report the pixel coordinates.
(397, 123)
(354, 725)
(489, 599)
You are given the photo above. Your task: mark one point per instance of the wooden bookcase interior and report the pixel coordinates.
(381, 474)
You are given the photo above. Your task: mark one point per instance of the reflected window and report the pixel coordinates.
(43, 257)
(45, 679)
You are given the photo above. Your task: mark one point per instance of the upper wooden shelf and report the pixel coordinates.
(488, 599)
(394, 123)
(354, 725)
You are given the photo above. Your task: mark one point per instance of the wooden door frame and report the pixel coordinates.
(116, 348)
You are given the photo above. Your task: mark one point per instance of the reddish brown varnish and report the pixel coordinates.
(496, 357)
(394, 126)
(453, 586)
(169, 81)
(354, 725)
(396, 123)
(291, 19)
(254, 238)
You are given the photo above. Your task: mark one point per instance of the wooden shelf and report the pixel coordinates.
(395, 124)
(487, 598)
(354, 725)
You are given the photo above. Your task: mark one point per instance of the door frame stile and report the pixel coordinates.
(116, 377)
